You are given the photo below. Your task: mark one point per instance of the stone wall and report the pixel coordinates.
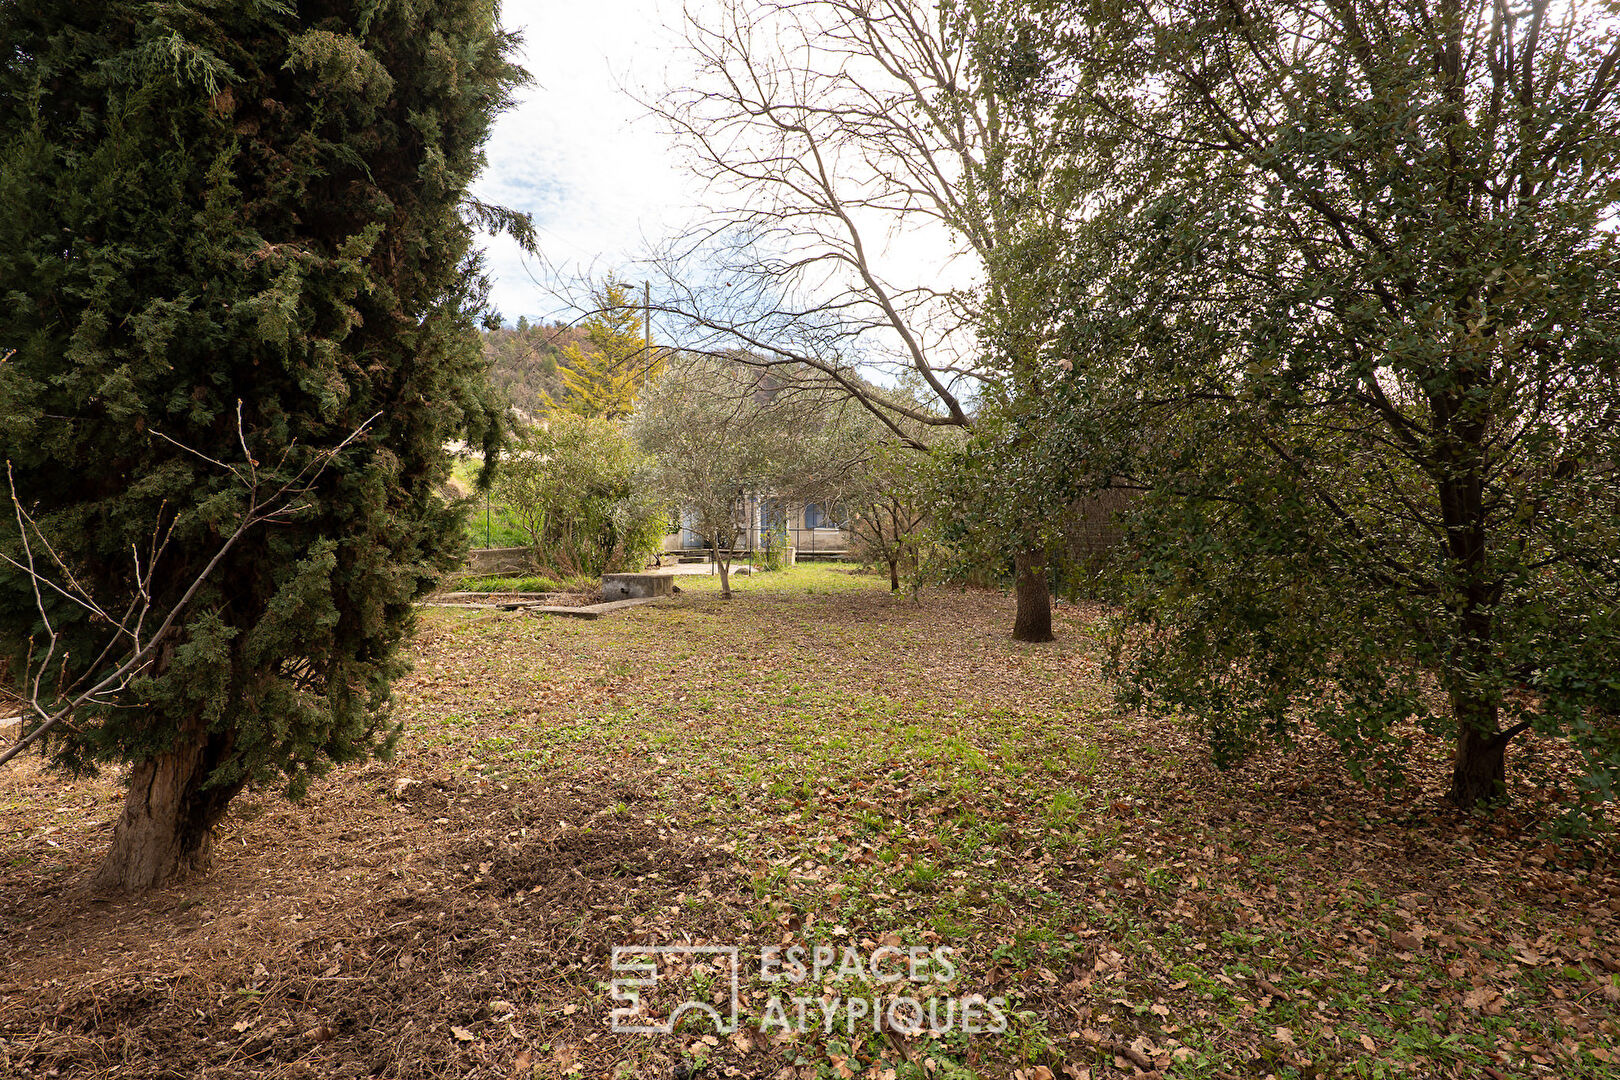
(513, 560)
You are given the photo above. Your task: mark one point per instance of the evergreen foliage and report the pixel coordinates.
(259, 206)
(602, 378)
(1349, 310)
(583, 494)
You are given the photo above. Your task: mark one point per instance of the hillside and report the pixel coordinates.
(524, 361)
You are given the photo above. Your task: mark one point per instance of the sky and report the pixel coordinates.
(603, 183)
(578, 153)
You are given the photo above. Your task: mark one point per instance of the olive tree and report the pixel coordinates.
(723, 432)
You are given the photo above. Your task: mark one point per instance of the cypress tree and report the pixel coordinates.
(230, 233)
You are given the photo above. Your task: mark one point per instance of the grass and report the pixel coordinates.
(817, 763)
(891, 767)
(494, 526)
(490, 523)
(497, 583)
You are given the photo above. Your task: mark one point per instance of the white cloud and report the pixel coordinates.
(578, 152)
(603, 183)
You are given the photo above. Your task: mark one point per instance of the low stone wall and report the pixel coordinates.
(512, 560)
(636, 586)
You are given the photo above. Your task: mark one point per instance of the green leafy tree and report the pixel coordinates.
(233, 236)
(582, 491)
(1356, 294)
(1005, 496)
(603, 377)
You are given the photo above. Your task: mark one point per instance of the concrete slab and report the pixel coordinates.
(620, 605)
(570, 612)
(488, 595)
(593, 611)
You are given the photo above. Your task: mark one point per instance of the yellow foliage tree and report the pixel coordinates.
(603, 379)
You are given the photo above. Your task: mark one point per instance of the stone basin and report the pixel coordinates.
(636, 586)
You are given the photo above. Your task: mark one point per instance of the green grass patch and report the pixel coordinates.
(875, 765)
(524, 583)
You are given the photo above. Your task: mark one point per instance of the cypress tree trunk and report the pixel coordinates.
(166, 831)
(1033, 621)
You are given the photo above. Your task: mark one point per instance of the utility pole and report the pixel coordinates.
(646, 326)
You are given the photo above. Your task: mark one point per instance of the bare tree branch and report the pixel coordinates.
(262, 508)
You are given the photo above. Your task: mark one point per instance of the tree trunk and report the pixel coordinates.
(166, 831)
(1462, 462)
(1034, 619)
(1479, 770)
(894, 574)
(725, 569)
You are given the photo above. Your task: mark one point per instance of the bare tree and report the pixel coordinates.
(888, 508)
(862, 154)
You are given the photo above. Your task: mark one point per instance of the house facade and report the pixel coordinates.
(810, 530)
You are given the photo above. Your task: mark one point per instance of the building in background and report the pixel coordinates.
(764, 524)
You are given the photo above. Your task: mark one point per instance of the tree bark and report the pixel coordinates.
(1478, 775)
(724, 567)
(166, 831)
(1479, 768)
(896, 549)
(1033, 621)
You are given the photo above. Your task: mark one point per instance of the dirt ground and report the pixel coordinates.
(813, 762)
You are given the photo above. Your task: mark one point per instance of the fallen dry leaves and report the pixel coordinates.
(815, 762)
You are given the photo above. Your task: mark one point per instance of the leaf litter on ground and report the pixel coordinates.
(815, 762)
